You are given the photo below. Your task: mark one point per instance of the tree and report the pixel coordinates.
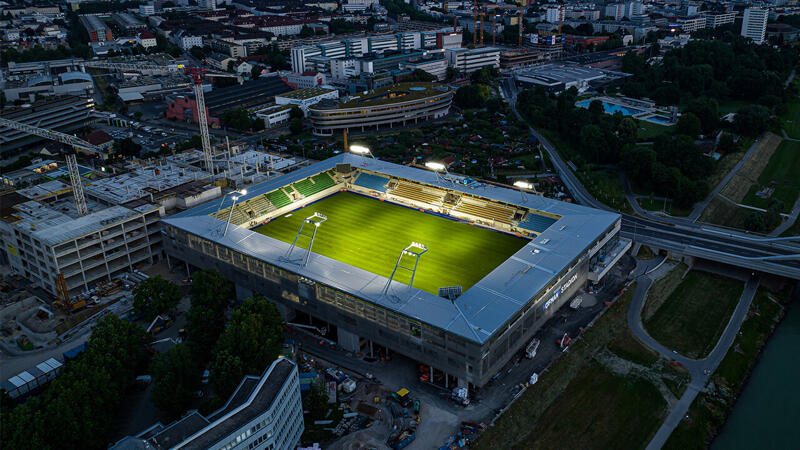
(689, 125)
(296, 113)
(707, 110)
(485, 75)
(177, 375)
(296, 126)
(306, 31)
(82, 403)
(226, 372)
(751, 120)
(197, 52)
(254, 335)
(472, 96)
(421, 75)
(238, 118)
(627, 131)
(451, 73)
(155, 296)
(211, 295)
(126, 147)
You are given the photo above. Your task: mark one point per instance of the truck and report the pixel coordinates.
(576, 302)
(530, 350)
(402, 440)
(348, 386)
(402, 397)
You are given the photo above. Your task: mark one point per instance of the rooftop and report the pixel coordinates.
(305, 94)
(481, 310)
(252, 397)
(401, 92)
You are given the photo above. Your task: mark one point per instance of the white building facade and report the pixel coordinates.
(754, 24)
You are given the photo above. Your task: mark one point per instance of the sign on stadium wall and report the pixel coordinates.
(560, 290)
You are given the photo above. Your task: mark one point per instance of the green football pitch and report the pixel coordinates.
(370, 234)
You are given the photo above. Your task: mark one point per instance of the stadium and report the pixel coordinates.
(454, 273)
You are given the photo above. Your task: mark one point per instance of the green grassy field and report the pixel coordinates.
(781, 173)
(370, 235)
(693, 317)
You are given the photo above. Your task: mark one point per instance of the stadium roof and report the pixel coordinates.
(480, 311)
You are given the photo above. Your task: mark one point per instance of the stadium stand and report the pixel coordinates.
(315, 184)
(414, 192)
(279, 198)
(488, 211)
(536, 223)
(373, 182)
(260, 205)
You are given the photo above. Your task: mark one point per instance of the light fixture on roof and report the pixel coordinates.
(361, 150)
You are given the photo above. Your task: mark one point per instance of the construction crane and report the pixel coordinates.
(519, 24)
(197, 74)
(72, 163)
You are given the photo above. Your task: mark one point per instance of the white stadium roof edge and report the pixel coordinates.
(477, 313)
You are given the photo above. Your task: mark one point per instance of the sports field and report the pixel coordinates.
(369, 234)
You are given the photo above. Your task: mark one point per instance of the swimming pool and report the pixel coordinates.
(611, 108)
(659, 119)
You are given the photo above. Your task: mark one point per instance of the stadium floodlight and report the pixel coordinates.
(436, 166)
(361, 150)
(316, 219)
(522, 185)
(414, 250)
(236, 195)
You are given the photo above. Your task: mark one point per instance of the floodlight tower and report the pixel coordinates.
(440, 170)
(414, 250)
(241, 193)
(522, 185)
(314, 220)
(361, 150)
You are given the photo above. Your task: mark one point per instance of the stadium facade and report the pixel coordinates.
(468, 338)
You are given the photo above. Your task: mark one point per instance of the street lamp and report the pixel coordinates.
(523, 185)
(230, 213)
(361, 150)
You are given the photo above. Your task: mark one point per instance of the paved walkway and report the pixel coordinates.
(700, 370)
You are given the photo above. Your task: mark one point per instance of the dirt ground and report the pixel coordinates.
(748, 174)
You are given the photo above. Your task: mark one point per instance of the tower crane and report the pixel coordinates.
(197, 74)
(72, 163)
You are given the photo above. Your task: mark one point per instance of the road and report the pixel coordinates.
(678, 234)
(700, 370)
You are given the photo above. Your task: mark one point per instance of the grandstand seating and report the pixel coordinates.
(536, 222)
(315, 184)
(415, 192)
(498, 213)
(373, 182)
(260, 205)
(279, 198)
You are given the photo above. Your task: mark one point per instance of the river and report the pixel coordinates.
(766, 414)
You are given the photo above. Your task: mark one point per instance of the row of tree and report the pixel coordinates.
(77, 409)
(675, 168)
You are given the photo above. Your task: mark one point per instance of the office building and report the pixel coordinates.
(263, 413)
(754, 24)
(469, 60)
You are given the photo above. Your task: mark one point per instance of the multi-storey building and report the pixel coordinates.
(263, 413)
(65, 113)
(389, 106)
(714, 20)
(97, 29)
(469, 60)
(754, 24)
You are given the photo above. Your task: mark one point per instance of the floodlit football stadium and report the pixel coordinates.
(451, 272)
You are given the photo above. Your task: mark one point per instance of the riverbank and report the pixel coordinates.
(710, 410)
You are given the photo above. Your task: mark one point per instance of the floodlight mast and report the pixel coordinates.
(415, 250)
(361, 150)
(230, 213)
(440, 170)
(316, 219)
(522, 185)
